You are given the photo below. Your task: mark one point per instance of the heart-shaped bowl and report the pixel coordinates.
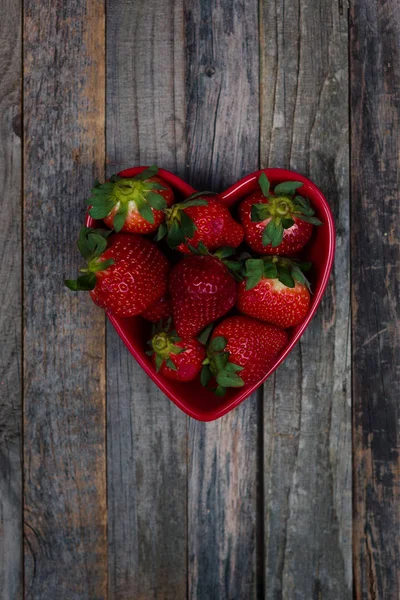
(195, 400)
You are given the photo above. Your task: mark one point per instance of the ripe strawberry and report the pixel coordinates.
(278, 223)
(240, 352)
(202, 290)
(132, 204)
(176, 358)
(275, 291)
(159, 309)
(124, 276)
(200, 220)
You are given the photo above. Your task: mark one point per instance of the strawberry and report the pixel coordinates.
(159, 309)
(240, 352)
(202, 290)
(200, 220)
(132, 204)
(124, 276)
(278, 223)
(275, 291)
(176, 358)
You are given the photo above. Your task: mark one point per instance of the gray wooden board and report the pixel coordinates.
(307, 420)
(10, 303)
(375, 117)
(64, 402)
(147, 485)
(222, 78)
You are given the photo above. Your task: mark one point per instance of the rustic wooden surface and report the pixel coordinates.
(375, 143)
(129, 499)
(64, 352)
(307, 432)
(10, 302)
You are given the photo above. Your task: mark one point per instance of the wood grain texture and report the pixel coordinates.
(307, 421)
(375, 118)
(64, 408)
(147, 437)
(222, 127)
(10, 302)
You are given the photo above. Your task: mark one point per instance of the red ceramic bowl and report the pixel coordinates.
(192, 398)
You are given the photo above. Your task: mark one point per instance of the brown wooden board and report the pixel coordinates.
(10, 303)
(64, 356)
(222, 76)
(146, 433)
(375, 144)
(307, 422)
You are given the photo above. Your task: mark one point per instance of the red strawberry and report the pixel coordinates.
(275, 291)
(202, 290)
(201, 220)
(278, 223)
(176, 358)
(159, 309)
(123, 277)
(241, 351)
(134, 204)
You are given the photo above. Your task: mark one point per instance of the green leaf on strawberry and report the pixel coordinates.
(285, 277)
(288, 188)
(253, 272)
(175, 235)
(218, 365)
(119, 194)
(264, 184)
(281, 209)
(179, 225)
(227, 379)
(217, 344)
(91, 244)
(147, 173)
(273, 233)
(83, 283)
(205, 334)
(170, 364)
(161, 232)
(187, 225)
(286, 270)
(205, 376)
(146, 212)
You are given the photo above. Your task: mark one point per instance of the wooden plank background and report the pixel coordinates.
(64, 352)
(11, 303)
(375, 143)
(120, 494)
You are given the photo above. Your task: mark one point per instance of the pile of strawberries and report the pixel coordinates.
(220, 293)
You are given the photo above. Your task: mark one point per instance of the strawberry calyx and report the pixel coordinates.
(282, 208)
(163, 345)
(226, 255)
(286, 270)
(218, 365)
(91, 244)
(178, 225)
(123, 194)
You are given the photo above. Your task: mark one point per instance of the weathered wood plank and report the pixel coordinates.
(222, 128)
(10, 302)
(307, 457)
(64, 356)
(375, 118)
(146, 432)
